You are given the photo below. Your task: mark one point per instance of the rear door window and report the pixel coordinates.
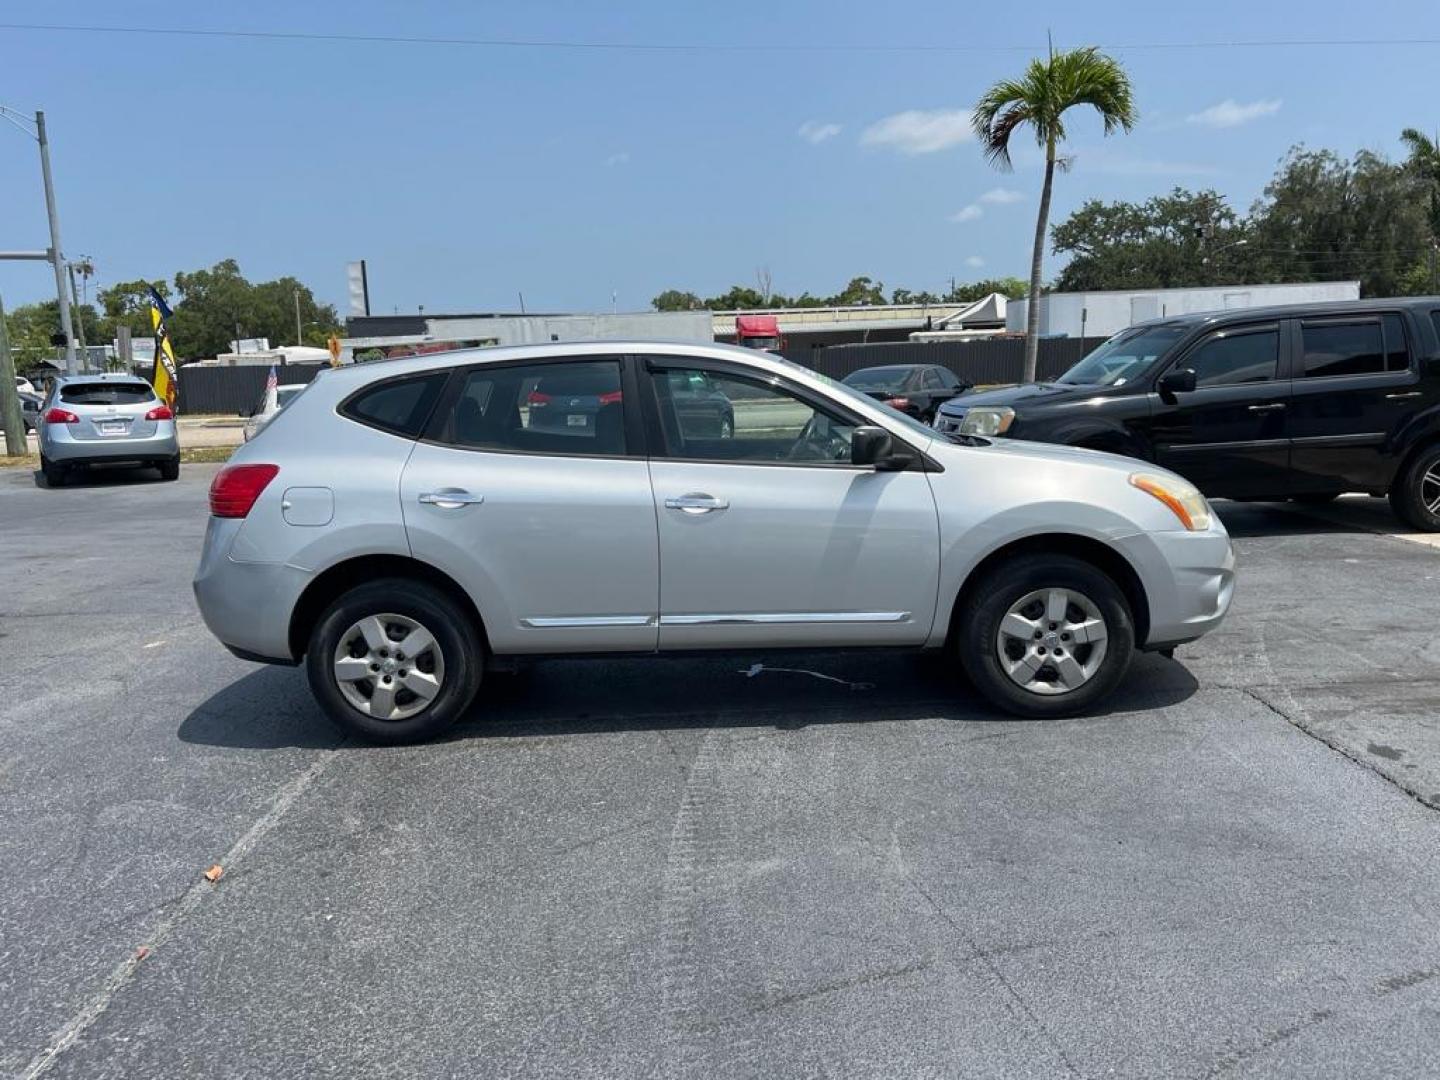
(399, 406)
(556, 408)
(1352, 347)
(106, 393)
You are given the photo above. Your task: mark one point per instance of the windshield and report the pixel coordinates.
(1124, 357)
(879, 378)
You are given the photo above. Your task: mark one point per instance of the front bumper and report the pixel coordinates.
(59, 445)
(247, 605)
(1189, 580)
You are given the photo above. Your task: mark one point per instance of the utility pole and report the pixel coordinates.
(10, 418)
(299, 336)
(79, 315)
(57, 256)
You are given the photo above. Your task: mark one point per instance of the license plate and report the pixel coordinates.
(113, 427)
(576, 421)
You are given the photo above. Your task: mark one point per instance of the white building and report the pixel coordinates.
(1100, 314)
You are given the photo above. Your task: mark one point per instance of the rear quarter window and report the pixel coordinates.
(399, 406)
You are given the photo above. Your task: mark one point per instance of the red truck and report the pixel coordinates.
(758, 332)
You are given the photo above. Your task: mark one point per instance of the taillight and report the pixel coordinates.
(236, 487)
(61, 416)
(160, 412)
(898, 402)
(612, 398)
(537, 398)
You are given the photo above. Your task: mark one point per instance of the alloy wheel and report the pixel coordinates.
(388, 666)
(1430, 489)
(1051, 641)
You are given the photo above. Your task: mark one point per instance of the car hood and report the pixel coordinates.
(1026, 393)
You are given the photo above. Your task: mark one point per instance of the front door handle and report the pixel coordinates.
(697, 502)
(1277, 407)
(451, 498)
(1404, 397)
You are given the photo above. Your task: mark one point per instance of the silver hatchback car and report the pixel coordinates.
(105, 420)
(400, 526)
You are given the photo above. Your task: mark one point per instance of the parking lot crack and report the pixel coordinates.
(1300, 720)
(179, 910)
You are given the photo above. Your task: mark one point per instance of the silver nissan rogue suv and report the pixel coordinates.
(402, 523)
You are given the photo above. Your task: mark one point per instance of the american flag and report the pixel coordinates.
(272, 381)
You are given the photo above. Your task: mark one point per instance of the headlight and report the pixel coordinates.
(1183, 498)
(987, 421)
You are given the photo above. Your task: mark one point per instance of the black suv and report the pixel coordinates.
(1301, 402)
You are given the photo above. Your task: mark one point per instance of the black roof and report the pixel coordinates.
(1295, 311)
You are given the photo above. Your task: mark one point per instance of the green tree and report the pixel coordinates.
(31, 327)
(1425, 162)
(675, 300)
(1170, 241)
(1049, 88)
(969, 292)
(738, 298)
(218, 305)
(1323, 218)
(859, 291)
(127, 303)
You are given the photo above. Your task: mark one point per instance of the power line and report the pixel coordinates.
(691, 47)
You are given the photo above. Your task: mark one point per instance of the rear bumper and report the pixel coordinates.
(1189, 580)
(247, 605)
(58, 445)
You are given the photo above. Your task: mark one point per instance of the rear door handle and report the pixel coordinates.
(451, 498)
(697, 502)
(1404, 397)
(1277, 407)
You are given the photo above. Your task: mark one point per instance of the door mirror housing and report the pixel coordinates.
(871, 445)
(1179, 381)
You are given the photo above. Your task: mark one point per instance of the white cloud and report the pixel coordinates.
(919, 131)
(621, 158)
(1231, 113)
(975, 262)
(968, 213)
(813, 131)
(1001, 196)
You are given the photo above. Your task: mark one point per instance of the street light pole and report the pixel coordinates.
(57, 257)
(298, 334)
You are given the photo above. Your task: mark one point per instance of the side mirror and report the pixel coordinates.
(1179, 381)
(870, 446)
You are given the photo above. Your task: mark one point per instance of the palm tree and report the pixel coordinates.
(1049, 88)
(1425, 161)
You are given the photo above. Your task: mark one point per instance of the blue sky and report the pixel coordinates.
(466, 175)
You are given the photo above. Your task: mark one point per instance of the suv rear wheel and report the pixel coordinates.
(1415, 497)
(394, 661)
(170, 468)
(1046, 635)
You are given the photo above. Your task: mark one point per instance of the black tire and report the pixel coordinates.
(170, 469)
(54, 473)
(455, 634)
(1417, 489)
(1315, 498)
(1006, 585)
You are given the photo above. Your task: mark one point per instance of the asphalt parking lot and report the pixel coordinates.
(684, 869)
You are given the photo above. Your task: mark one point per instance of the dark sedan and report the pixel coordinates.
(914, 389)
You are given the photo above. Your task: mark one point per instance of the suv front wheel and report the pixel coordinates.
(1046, 635)
(1415, 498)
(394, 661)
